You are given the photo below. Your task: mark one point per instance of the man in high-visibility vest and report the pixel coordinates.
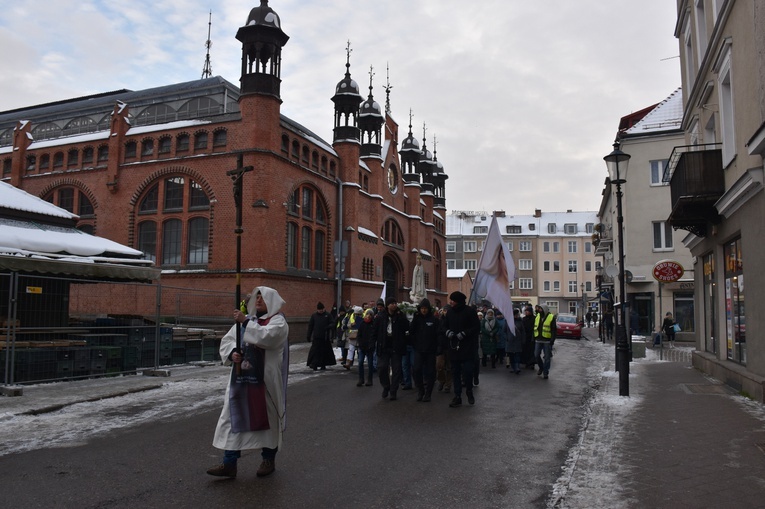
(544, 337)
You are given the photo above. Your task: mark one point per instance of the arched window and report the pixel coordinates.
(75, 201)
(182, 143)
(199, 107)
(147, 239)
(147, 148)
(165, 144)
(285, 143)
(306, 230)
(80, 125)
(46, 131)
(200, 141)
(31, 162)
(87, 155)
(391, 233)
(295, 149)
(131, 149)
(58, 160)
(174, 222)
(103, 153)
(72, 158)
(6, 137)
(220, 138)
(155, 114)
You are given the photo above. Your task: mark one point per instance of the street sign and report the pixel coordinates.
(667, 271)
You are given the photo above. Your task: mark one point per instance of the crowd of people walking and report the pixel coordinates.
(441, 348)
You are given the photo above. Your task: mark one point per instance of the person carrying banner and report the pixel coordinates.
(254, 408)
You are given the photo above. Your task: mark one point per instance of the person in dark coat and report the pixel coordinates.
(424, 336)
(527, 355)
(461, 327)
(366, 347)
(515, 342)
(390, 330)
(321, 327)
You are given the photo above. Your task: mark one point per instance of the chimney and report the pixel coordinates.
(498, 213)
(537, 212)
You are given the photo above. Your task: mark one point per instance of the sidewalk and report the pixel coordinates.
(50, 397)
(681, 439)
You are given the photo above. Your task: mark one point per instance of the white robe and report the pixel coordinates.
(273, 339)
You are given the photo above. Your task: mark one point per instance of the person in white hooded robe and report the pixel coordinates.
(269, 331)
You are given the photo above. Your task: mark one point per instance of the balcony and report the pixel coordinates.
(696, 181)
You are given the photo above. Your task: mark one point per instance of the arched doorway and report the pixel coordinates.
(391, 277)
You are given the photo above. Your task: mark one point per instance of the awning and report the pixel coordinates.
(113, 271)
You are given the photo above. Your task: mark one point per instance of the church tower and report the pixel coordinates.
(262, 41)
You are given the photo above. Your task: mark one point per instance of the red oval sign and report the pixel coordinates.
(667, 271)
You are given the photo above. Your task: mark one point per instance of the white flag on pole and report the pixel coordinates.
(385, 286)
(496, 269)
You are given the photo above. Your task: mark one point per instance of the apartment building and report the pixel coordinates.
(553, 253)
(648, 136)
(716, 180)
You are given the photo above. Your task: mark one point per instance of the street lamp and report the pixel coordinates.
(617, 163)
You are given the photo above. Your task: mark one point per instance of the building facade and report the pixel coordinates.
(716, 182)
(553, 254)
(648, 136)
(155, 170)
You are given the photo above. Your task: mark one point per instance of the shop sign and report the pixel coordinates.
(667, 271)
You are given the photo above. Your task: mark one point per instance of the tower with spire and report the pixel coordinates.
(370, 122)
(410, 155)
(347, 99)
(262, 41)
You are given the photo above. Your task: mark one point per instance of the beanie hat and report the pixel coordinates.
(319, 306)
(458, 297)
(391, 300)
(380, 302)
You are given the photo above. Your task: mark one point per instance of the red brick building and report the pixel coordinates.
(321, 221)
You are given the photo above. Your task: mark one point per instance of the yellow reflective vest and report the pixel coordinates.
(546, 326)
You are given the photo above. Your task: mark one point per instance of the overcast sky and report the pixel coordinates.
(523, 97)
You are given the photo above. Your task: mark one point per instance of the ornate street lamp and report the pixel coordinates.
(617, 162)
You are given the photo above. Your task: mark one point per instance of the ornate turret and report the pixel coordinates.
(370, 122)
(262, 42)
(347, 99)
(410, 155)
(438, 179)
(425, 166)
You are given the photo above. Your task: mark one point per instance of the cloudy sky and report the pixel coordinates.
(523, 97)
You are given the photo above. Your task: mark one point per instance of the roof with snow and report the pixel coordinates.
(477, 223)
(37, 236)
(665, 116)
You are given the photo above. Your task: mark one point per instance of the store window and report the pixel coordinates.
(735, 316)
(710, 297)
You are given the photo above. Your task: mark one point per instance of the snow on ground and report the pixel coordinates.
(591, 471)
(74, 424)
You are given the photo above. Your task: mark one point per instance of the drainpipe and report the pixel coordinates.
(339, 249)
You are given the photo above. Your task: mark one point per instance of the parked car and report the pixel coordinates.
(568, 326)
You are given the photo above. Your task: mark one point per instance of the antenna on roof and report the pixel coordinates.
(207, 69)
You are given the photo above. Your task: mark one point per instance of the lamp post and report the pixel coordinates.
(600, 272)
(617, 162)
(584, 301)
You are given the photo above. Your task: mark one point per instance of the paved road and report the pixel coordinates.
(344, 446)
